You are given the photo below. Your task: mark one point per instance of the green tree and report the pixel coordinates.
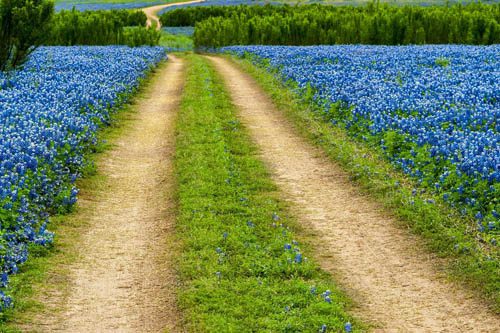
(23, 27)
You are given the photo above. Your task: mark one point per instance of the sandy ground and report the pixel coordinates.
(152, 11)
(123, 279)
(394, 284)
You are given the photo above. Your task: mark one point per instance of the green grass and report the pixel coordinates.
(47, 270)
(236, 274)
(476, 266)
(176, 42)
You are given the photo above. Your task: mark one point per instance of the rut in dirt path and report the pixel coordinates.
(123, 280)
(380, 266)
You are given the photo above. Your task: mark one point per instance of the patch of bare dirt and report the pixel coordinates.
(395, 284)
(123, 279)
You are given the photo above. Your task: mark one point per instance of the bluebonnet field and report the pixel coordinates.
(220, 3)
(177, 31)
(433, 110)
(49, 114)
(82, 5)
(294, 2)
(130, 4)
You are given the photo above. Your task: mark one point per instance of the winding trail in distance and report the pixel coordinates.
(395, 285)
(123, 278)
(152, 12)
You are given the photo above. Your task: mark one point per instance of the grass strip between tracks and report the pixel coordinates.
(243, 263)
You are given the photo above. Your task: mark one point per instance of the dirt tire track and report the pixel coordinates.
(123, 279)
(395, 285)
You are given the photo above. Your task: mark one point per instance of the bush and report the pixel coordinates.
(138, 36)
(102, 27)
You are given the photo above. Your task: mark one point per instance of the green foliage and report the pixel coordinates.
(236, 274)
(375, 23)
(176, 42)
(101, 28)
(443, 62)
(138, 36)
(23, 27)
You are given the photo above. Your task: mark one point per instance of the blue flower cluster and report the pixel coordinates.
(434, 110)
(220, 3)
(82, 5)
(179, 31)
(49, 114)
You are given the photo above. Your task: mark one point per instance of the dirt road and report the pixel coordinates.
(151, 12)
(123, 279)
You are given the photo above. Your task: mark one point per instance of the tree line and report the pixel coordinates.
(375, 23)
(101, 27)
(27, 24)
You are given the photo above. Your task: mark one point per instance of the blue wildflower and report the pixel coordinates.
(298, 258)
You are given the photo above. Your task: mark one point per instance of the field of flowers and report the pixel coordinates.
(179, 31)
(220, 3)
(82, 5)
(131, 4)
(50, 112)
(434, 111)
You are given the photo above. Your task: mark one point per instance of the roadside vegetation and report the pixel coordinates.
(243, 265)
(46, 271)
(375, 23)
(104, 27)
